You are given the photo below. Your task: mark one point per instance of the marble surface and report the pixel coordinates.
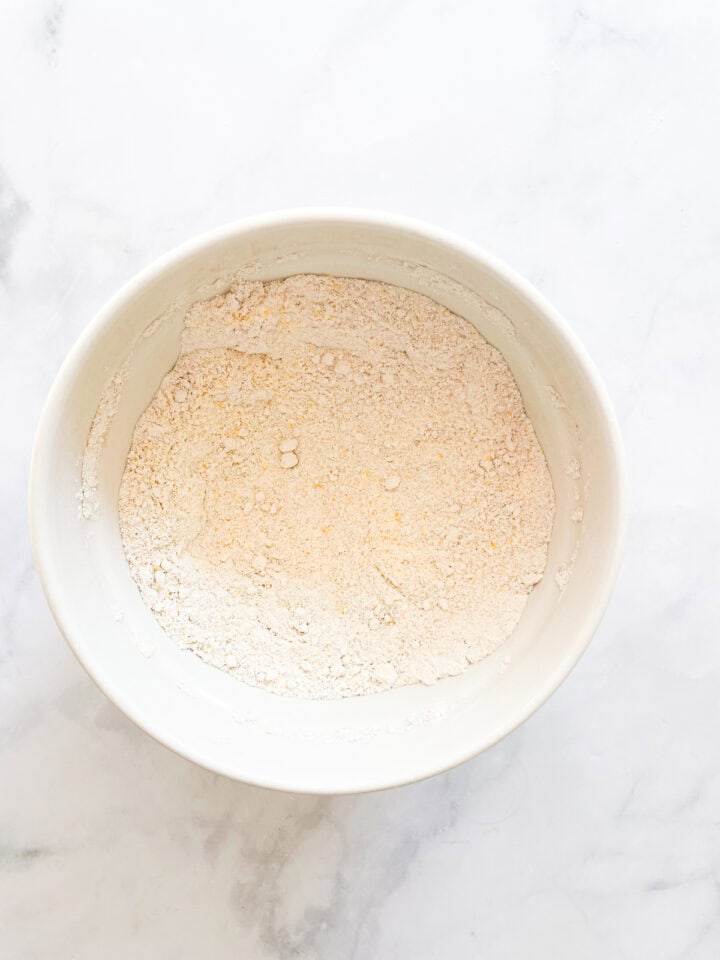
(579, 141)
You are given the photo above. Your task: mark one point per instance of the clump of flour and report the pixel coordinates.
(336, 490)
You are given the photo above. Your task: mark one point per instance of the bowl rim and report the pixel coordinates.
(51, 579)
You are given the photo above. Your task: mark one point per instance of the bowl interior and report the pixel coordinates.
(365, 742)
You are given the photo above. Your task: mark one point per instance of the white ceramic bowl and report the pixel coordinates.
(364, 743)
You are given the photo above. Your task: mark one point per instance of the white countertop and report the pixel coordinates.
(580, 143)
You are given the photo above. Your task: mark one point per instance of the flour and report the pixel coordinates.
(336, 490)
(96, 444)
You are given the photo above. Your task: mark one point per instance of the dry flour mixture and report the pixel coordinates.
(336, 490)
